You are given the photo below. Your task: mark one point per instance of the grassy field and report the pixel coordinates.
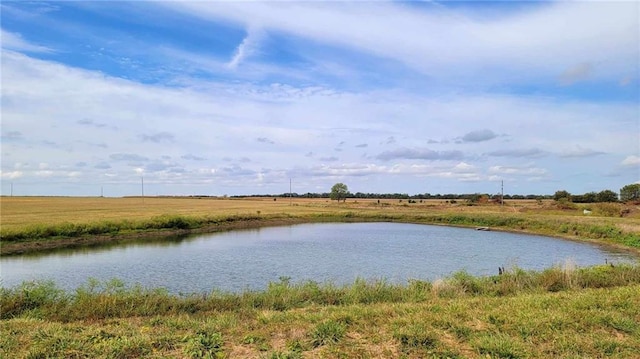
(562, 312)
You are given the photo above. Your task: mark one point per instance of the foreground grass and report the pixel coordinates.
(560, 312)
(31, 224)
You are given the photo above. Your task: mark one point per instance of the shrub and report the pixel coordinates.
(607, 209)
(565, 203)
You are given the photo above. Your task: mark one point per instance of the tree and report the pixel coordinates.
(607, 196)
(589, 197)
(339, 192)
(562, 194)
(630, 192)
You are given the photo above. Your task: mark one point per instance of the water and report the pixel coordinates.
(335, 252)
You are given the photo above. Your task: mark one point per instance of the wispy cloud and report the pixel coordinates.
(12, 136)
(191, 157)
(420, 154)
(465, 43)
(576, 73)
(479, 136)
(518, 152)
(92, 123)
(14, 41)
(329, 159)
(130, 157)
(265, 140)
(579, 151)
(248, 47)
(158, 137)
(515, 170)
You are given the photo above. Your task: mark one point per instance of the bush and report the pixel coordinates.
(562, 195)
(30, 296)
(565, 203)
(607, 209)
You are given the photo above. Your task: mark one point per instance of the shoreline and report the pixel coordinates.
(44, 245)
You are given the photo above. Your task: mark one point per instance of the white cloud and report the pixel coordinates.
(443, 42)
(13, 41)
(579, 151)
(464, 167)
(44, 173)
(46, 101)
(631, 160)
(11, 174)
(511, 170)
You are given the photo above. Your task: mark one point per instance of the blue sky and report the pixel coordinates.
(237, 98)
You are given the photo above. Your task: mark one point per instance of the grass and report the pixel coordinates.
(520, 314)
(114, 299)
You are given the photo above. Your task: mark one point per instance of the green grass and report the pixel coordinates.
(113, 299)
(559, 312)
(70, 230)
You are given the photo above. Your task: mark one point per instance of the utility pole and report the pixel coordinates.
(11, 189)
(142, 181)
(290, 194)
(502, 193)
(101, 191)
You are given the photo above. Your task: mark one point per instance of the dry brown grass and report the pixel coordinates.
(16, 212)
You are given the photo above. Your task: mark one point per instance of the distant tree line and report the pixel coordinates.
(361, 195)
(627, 193)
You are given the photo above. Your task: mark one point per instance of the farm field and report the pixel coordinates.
(20, 212)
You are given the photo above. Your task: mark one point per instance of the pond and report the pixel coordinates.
(322, 252)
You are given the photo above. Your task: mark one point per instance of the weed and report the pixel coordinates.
(204, 345)
(499, 346)
(625, 325)
(467, 283)
(284, 355)
(328, 332)
(125, 348)
(416, 337)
